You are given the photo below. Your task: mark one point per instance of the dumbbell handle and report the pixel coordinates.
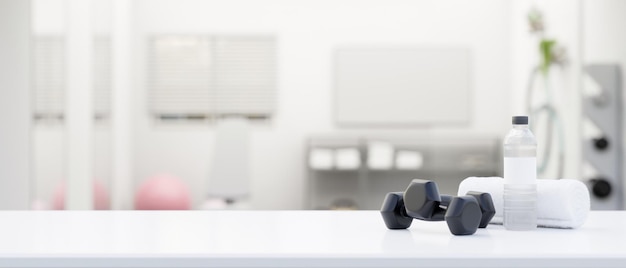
(445, 200)
(440, 212)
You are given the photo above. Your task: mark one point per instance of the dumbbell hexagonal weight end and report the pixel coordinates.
(463, 215)
(486, 206)
(484, 201)
(394, 212)
(421, 199)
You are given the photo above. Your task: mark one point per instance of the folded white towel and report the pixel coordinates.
(560, 203)
(321, 158)
(347, 158)
(410, 160)
(380, 155)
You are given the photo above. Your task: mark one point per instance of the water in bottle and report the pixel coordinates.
(520, 177)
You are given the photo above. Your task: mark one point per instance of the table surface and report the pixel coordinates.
(292, 239)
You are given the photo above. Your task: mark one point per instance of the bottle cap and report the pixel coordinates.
(520, 120)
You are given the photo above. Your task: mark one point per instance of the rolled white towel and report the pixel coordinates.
(560, 203)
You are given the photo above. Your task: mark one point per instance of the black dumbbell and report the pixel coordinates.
(393, 211)
(484, 202)
(487, 207)
(422, 201)
(462, 214)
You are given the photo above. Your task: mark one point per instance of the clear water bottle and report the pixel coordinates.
(520, 177)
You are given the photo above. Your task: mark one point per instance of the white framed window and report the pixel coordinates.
(206, 77)
(49, 85)
(48, 78)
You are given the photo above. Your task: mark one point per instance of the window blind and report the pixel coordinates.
(211, 76)
(49, 69)
(49, 77)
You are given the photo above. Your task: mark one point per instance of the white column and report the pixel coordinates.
(15, 109)
(79, 106)
(121, 184)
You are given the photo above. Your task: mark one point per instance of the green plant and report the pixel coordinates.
(549, 51)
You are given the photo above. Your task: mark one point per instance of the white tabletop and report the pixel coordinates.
(292, 239)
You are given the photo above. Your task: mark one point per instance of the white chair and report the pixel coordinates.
(230, 170)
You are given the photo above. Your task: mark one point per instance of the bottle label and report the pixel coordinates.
(520, 170)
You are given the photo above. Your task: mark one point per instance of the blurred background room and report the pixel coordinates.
(308, 104)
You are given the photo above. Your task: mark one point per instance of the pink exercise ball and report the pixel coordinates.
(100, 196)
(162, 192)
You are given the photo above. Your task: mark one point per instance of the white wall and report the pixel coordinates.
(15, 123)
(562, 23)
(604, 31)
(308, 31)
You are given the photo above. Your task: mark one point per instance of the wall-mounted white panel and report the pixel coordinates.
(402, 86)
